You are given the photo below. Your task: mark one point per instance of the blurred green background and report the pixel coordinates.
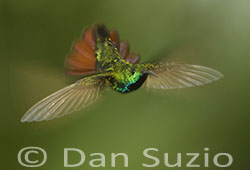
(35, 37)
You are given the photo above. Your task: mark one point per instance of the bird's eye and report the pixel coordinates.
(132, 71)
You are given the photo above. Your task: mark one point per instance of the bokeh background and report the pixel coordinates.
(35, 37)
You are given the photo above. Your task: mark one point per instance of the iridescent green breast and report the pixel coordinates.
(129, 86)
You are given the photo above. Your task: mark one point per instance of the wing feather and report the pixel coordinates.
(172, 75)
(65, 101)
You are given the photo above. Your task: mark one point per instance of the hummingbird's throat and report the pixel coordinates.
(131, 86)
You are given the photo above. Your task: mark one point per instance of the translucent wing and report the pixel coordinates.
(172, 75)
(65, 101)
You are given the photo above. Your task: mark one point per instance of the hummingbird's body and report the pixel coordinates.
(105, 61)
(126, 76)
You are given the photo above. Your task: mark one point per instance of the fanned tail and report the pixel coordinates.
(82, 59)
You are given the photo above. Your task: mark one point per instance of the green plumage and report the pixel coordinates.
(116, 67)
(123, 76)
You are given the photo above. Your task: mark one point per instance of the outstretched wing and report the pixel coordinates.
(173, 75)
(65, 101)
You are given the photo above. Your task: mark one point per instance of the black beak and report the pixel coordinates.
(150, 72)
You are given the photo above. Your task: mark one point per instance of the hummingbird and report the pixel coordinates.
(104, 61)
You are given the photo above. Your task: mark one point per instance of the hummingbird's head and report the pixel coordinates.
(129, 78)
